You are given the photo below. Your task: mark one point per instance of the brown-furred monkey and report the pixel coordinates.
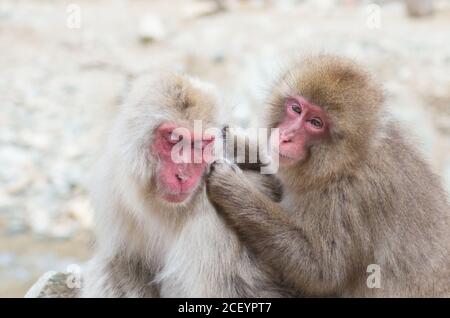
(356, 192)
(157, 233)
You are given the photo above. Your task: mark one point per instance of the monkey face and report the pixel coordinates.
(182, 158)
(303, 125)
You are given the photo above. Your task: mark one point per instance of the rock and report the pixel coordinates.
(53, 285)
(7, 259)
(151, 29)
(202, 9)
(80, 210)
(39, 220)
(16, 225)
(419, 8)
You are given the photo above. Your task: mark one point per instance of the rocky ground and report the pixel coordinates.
(62, 79)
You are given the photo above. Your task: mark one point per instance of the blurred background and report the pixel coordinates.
(65, 67)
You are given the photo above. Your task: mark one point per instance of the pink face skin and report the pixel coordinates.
(177, 180)
(303, 125)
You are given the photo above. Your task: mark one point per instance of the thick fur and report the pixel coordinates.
(268, 184)
(364, 197)
(145, 246)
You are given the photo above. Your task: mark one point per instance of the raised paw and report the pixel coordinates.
(223, 180)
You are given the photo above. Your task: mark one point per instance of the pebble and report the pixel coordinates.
(151, 29)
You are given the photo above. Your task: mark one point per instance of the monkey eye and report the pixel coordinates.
(316, 122)
(296, 108)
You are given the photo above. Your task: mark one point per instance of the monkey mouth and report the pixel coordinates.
(286, 159)
(176, 197)
(179, 195)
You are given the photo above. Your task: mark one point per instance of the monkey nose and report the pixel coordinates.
(285, 138)
(181, 177)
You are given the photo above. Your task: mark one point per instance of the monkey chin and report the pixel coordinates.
(176, 198)
(287, 161)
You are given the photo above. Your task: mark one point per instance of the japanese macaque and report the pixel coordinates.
(362, 214)
(157, 233)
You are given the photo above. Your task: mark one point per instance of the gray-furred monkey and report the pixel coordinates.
(157, 233)
(356, 192)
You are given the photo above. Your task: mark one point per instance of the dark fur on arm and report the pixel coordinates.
(270, 233)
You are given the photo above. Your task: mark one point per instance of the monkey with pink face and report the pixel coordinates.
(157, 233)
(356, 192)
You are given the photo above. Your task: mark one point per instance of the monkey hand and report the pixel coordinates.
(223, 178)
(225, 185)
(245, 206)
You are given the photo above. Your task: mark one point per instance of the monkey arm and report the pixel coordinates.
(270, 233)
(268, 185)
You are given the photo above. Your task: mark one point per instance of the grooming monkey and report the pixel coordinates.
(157, 233)
(356, 192)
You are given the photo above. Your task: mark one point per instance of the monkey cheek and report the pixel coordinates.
(286, 161)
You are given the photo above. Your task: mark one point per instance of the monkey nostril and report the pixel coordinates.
(285, 137)
(181, 178)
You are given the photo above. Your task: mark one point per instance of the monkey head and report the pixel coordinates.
(326, 109)
(162, 150)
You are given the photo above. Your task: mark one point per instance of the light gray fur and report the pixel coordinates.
(149, 248)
